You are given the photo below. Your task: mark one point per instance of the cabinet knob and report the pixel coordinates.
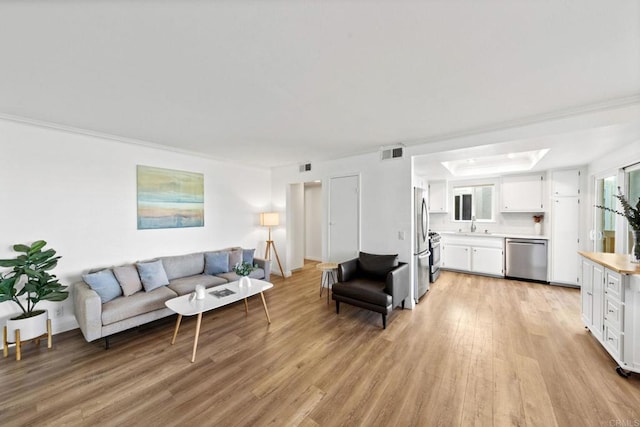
(610, 311)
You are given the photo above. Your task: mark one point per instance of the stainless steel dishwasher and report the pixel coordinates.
(526, 259)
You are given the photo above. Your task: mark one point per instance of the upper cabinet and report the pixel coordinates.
(565, 183)
(522, 193)
(438, 197)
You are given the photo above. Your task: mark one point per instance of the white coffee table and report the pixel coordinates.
(187, 306)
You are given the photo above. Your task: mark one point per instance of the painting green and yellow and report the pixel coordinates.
(169, 198)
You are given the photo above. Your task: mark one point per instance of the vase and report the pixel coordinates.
(634, 256)
(537, 228)
(245, 282)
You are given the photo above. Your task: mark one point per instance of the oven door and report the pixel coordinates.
(435, 257)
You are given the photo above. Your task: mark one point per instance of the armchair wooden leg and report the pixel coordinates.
(384, 321)
(337, 307)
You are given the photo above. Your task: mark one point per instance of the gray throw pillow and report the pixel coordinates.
(235, 257)
(247, 255)
(216, 262)
(152, 275)
(104, 283)
(129, 280)
(377, 266)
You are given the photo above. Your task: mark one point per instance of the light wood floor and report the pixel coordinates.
(475, 351)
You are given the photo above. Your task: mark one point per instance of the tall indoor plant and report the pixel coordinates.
(632, 214)
(32, 269)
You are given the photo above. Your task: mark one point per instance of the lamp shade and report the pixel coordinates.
(270, 219)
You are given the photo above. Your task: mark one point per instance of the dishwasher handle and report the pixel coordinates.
(526, 242)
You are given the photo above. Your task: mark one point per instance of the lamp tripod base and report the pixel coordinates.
(267, 254)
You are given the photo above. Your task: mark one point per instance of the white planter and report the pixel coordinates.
(30, 328)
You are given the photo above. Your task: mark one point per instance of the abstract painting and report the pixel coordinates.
(169, 198)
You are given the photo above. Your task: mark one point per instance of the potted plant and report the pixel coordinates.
(243, 269)
(31, 269)
(632, 214)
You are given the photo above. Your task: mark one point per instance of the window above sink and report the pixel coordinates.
(471, 201)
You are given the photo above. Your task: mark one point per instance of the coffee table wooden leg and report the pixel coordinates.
(264, 303)
(175, 332)
(195, 341)
(246, 306)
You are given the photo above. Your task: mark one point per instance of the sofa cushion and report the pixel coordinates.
(104, 283)
(235, 258)
(138, 303)
(247, 255)
(371, 291)
(376, 266)
(128, 278)
(216, 262)
(186, 285)
(258, 273)
(152, 275)
(183, 265)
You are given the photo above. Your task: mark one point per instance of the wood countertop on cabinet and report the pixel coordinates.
(617, 262)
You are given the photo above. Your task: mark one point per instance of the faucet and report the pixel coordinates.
(473, 224)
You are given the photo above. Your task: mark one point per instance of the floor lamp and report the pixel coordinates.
(271, 219)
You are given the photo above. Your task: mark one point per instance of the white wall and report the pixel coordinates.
(78, 193)
(295, 229)
(385, 199)
(313, 221)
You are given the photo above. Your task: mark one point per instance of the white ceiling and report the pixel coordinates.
(270, 83)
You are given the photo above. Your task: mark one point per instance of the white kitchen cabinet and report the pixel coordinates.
(487, 261)
(565, 240)
(522, 193)
(610, 295)
(592, 295)
(471, 254)
(565, 183)
(437, 193)
(456, 257)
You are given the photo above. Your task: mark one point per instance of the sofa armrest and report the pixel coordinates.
(264, 264)
(88, 311)
(347, 270)
(397, 284)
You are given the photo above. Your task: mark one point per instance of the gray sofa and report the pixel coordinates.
(184, 272)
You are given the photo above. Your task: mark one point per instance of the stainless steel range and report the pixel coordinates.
(434, 257)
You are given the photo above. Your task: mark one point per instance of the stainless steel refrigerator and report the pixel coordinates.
(421, 247)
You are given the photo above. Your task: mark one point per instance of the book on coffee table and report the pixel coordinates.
(221, 293)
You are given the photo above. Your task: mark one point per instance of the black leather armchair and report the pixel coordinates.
(375, 282)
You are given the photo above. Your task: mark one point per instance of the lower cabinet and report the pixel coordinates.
(482, 255)
(456, 257)
(487, 261)
(611, 310)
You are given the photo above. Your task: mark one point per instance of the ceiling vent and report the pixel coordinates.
(391, 153)
(305, 167)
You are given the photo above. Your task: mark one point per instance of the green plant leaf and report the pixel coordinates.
(36, 246)
(21, 248)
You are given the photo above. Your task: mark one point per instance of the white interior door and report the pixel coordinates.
(344, 218)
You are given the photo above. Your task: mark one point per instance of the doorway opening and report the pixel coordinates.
(304, 224)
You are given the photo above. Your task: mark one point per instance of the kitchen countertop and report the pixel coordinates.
(501, 235)
(616, 262)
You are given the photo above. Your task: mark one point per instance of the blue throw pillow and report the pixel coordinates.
(104, 283)
(152, 275)
(216, 263)
(247, 255)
